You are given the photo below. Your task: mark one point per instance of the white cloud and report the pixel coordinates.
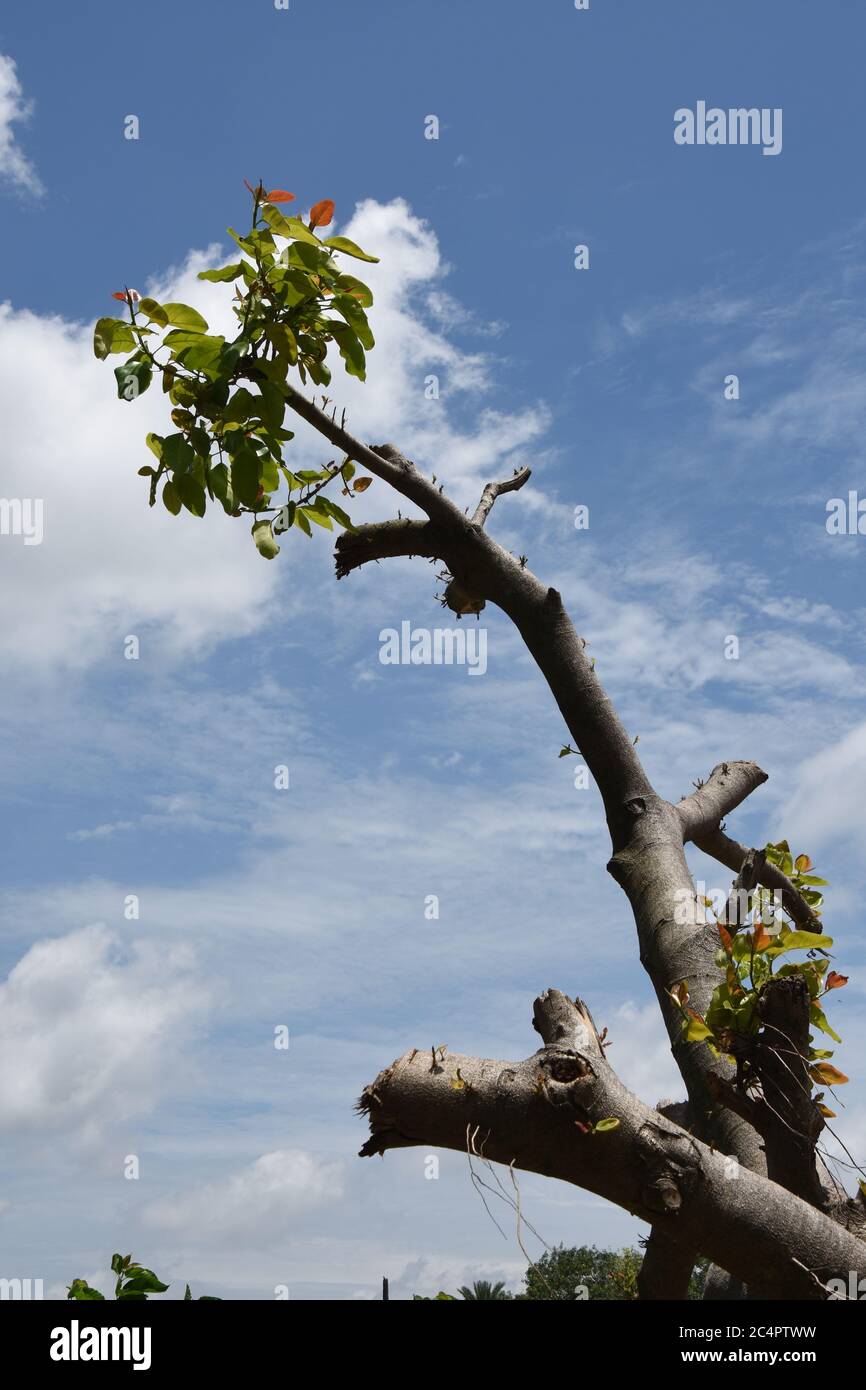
(15, 167)
(826, 806)
(641, 1053)
(110, 566)
(258, 1205)
(96, 1029)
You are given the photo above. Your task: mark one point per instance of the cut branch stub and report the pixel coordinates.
(543, 1115)
(726, 787)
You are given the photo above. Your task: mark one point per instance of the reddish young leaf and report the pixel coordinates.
(827, 1075)
(835, 981)
(321, 213)
(279, 195)
(119, 294)
(123, 296)
(761, 939)
(361, 484)
(725, 936)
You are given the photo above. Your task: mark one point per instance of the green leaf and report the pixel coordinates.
(355, 317)
(799, 941)
(342, 243)
(218, 477)
(171, 499)
(351, 350)
(269, 475)
(226, 272)
(273, 405)
(315, 513)
(154, 311)
(301, 254)
(292, 286)
(144, 1281)
(604, 1125)
(182, 316)
(242, 406)
(361, 293)
(154, 443)
(819, 1018)
(695, 1029)
(301, 520)
(133, 379)
(180, 338)
(336, 512)
(81, 1290)
(112, 335)
(264, 538)
(177, 454)
(292, 228)
(245, 476)
(205, 355)
(191, 493)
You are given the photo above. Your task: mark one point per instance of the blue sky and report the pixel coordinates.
(707, 518)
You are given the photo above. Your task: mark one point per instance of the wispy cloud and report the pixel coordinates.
(15, 168)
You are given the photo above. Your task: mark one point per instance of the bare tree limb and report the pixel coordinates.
(647, 833)
(382, 540)
(494, 490)
(383, 460)
(727, 785)
(542, 1115)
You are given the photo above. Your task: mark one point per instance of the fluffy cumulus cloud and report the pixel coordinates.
(95, 1029)
(106, 565)
(15, 168)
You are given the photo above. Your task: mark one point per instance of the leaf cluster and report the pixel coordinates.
(228, 398)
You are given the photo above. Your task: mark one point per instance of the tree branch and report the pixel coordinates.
(383, 460)
(490, 572)
(539, 1115)
(720, 846)
(666, 1269)
(647, 833)
(385, 539)
(727, 785)
(494, 490)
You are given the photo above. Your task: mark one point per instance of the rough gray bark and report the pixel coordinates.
(648, 837)
(538, 1115)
